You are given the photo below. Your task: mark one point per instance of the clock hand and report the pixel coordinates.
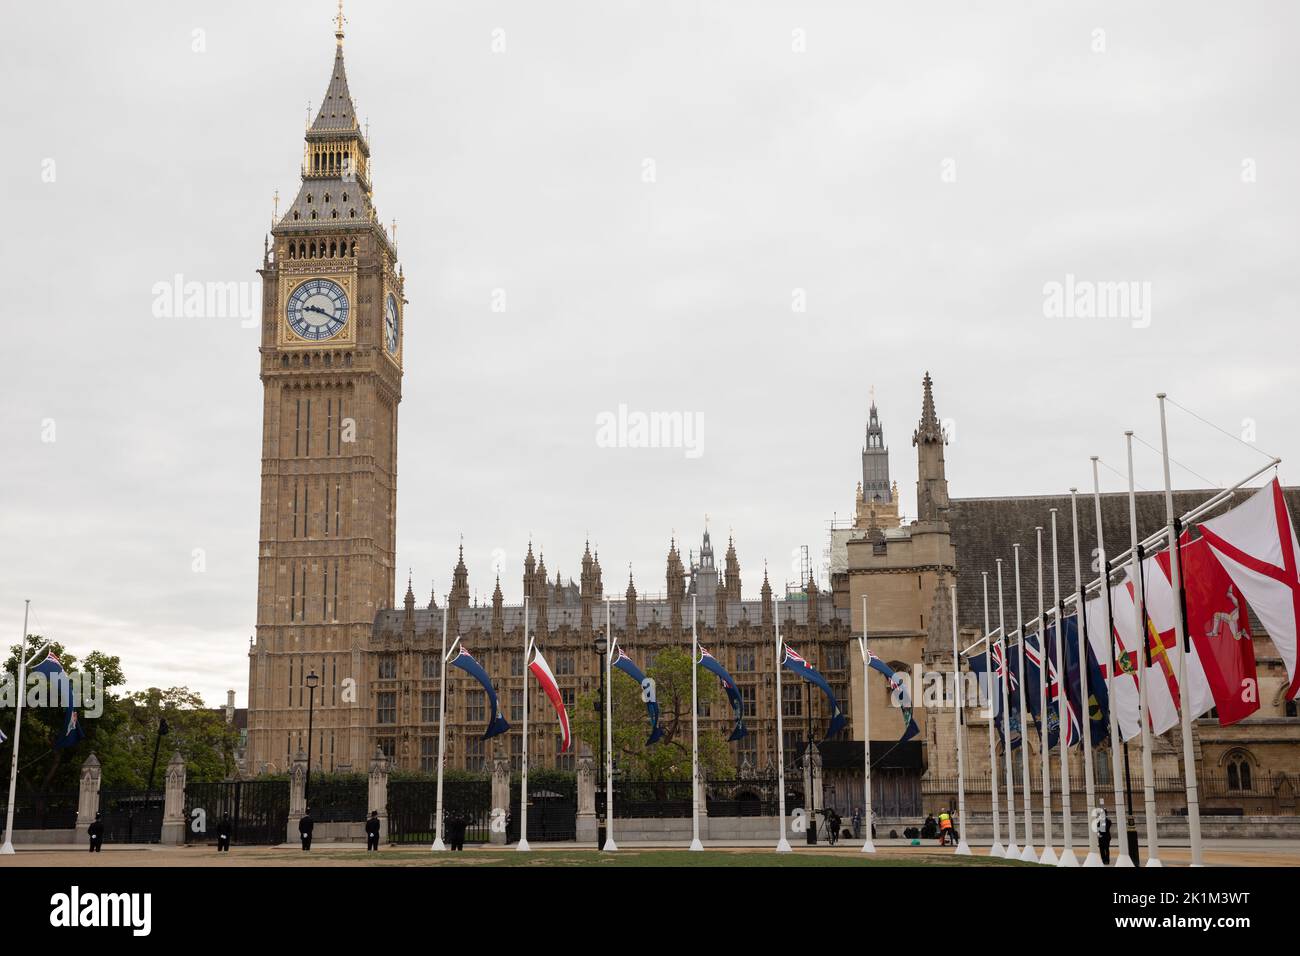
(317, 308)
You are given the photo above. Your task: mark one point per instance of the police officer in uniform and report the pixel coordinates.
(372, 831)
(305, 826)
(1103, 835)
(223, 834)
(96, 833)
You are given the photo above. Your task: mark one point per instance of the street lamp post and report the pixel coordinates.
(162, 732)
(601, 647)
(312, 681)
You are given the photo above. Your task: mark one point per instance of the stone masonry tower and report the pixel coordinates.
(331, 369)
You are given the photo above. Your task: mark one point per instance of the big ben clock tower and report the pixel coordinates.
(331, 369)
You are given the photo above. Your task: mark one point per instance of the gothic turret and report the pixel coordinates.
(498, 612)
(931, 483)
(530, 570)
(732, 572)
(631, 604)
(459, 597)
(766, 594)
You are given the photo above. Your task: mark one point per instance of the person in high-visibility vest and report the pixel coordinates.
(945, 828)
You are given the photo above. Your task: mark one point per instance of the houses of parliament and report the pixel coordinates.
(331, 365)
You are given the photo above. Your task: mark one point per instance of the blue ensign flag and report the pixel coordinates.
(1098, 699)
(61, 689)
(1033, 662)
(714, 666)
(624, 663)
(898, 688)
(466, 662)
(792, 661)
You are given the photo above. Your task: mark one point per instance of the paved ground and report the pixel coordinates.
(1218, 853)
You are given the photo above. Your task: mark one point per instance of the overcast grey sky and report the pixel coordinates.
(915, 173)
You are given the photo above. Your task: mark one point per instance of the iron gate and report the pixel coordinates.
(258, 811)
(131, 816)
(552, 810)
(412, 806)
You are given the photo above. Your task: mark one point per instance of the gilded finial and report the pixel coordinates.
(275, 208)
(338, 23)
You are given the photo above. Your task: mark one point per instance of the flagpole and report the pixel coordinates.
(1121, 810)
(696, 845)
(1185, 649)
(523, 846)
(782, 844)
(20, 691)
(997, 849)
(1204, 508)
(1013, 851)
(1144, 705)
(1085, 717)
(610, 845)
(1044, 753)
(1027, 854)
(438, 845)
(1067, 857)
(867, 845)
(963, 848)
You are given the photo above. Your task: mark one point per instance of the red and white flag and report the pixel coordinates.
(542, 671)
(1162, 638)
(1256, 544)
(1123, 688)
(1219, 627)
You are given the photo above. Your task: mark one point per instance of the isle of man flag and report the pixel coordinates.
(1219, 626)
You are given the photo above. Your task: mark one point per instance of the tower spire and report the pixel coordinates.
(338, 25)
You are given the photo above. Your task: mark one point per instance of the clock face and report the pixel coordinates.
(317, 309)
(390, 324)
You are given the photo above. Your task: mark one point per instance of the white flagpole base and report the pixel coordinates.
(1027, 855)
(610, 846)
(696, 846)
(997, 850)
(438, 846)
(1047, 857)
(523, 846)
(1154, 861)
(1124, 860)
(1067, 858)
(1094, 859)
(868, 846)
(7, 849)
(783, 846)
(963, 848)
(1013, 852)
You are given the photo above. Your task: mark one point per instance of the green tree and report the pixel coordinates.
(670, 757)
(122, 736)
(198, 734)
(44, 768)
